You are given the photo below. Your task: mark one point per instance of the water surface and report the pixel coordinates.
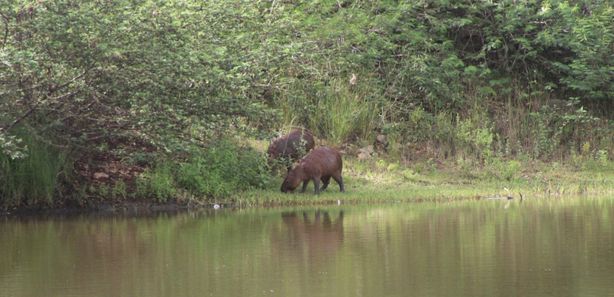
(559, 247)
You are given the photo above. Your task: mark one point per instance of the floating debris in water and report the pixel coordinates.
(216, 206)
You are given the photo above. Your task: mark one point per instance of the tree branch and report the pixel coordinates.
(34, 107)
(21, 118)
(70, 81)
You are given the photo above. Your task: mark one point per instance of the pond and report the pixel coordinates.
(562, 247)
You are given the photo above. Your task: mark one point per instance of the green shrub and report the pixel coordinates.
(119, 190)
(475, 135)
(602, 157)
(157, 183)
(420, 125)
(223, 169)
(503, 170)
(220, 170)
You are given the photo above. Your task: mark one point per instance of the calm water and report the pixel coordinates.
(484, 248)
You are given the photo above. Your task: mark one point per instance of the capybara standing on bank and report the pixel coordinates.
(292, 146)
(321, 163)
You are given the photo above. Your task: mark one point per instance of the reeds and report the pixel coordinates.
(31, 180)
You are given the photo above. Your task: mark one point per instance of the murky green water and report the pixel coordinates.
(486, 248)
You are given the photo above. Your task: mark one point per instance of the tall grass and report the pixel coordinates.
(32, 180)
(338, 111)
(346, 112)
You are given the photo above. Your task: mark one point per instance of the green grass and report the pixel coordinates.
(345, 113)
(32, 180)
(379, 181)
(339, 112)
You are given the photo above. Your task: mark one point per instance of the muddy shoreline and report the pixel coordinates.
(145, 209)
(123, 208)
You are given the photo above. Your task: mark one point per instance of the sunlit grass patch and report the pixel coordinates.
(378, 181)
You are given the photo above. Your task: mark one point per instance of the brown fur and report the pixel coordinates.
(320, 164)
(292, 146)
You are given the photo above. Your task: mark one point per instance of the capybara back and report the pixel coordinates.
(321, 164)
(292, 146)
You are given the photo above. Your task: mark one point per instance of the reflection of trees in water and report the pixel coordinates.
(473, 250)
(314, 236)
(90, 251)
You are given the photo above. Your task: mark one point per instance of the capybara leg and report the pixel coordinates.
(339, 180)
(316, 185)
(304, 186)
(325, 182)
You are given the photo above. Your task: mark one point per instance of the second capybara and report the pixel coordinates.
(320, 164)
(291, 146)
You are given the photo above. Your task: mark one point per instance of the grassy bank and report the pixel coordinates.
(375, 181)
(235, 172)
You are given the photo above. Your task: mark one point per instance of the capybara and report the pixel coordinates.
(321, 163)
(291, 147)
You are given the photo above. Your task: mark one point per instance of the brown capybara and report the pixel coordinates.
(291, 147)
(321, 163)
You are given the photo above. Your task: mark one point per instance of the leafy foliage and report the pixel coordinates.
(221, 170)
(479, 79)
(158, 183)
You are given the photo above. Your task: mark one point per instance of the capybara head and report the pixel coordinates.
(293, 179)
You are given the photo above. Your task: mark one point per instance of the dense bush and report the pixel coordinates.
(219, 170)
(157, 183)
(426, 70)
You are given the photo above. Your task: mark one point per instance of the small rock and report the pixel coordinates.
(365, 152)
(363, 156)
(381, 143)
(353, 79)
(100, 175)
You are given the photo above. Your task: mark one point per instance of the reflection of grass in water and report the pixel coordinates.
(379, 181)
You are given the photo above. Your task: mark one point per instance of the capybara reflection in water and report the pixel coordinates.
(321, 163)
(291, 147)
